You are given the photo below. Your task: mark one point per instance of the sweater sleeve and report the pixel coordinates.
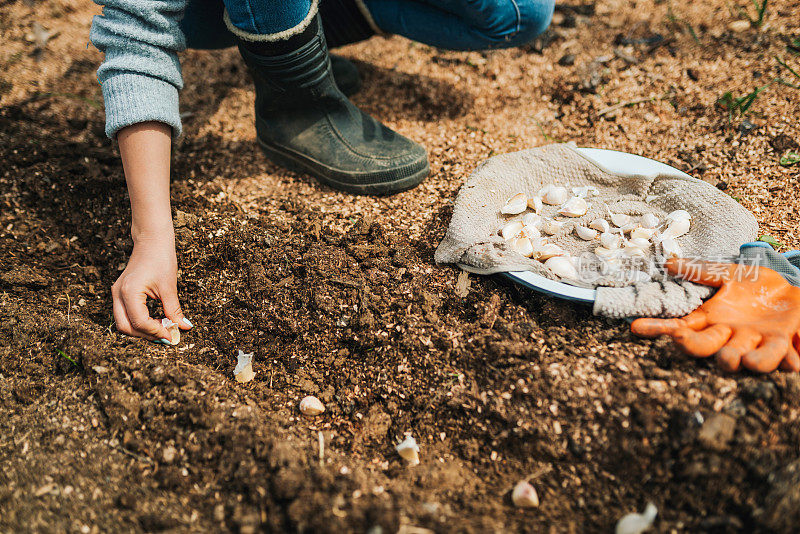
(141, 75)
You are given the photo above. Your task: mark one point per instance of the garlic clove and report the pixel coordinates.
(677, 228)
(535, 203)
(174, 331)
(649, 220)
(511, 230)
(574, 207)
(620, 219)
(628, 228)
(605, 253)
(587, 234)
(551, 227)
(637, 523)
(562, 267)
(679, 214)
(243, 372)
(531, 219)
(409, 450)
(633, 252)
(311, 406)
(538, 243)
(523, 246)
(556, 196)
(544, 190)
(585, 191)
(639, 242)
(670, 247)
(601, 225)
(530, 232)
(610, 241)
(549, 250)
(524, 495)
(516, 204)
(643, 233)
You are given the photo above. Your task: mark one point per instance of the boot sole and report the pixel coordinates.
(295, 163)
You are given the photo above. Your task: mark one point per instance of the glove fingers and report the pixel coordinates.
(767, 356)
(704, 343)
(703, 272)
(792, 360)
(647, 327)
(743, 340)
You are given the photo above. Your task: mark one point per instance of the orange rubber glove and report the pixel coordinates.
(752, 321)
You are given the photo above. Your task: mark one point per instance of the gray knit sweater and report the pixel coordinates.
(141, 75)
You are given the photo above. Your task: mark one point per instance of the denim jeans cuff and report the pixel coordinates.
(270, 37)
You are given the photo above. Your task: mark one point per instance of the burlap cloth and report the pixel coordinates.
(719, 224)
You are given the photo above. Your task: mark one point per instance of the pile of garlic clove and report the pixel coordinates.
(621, 236)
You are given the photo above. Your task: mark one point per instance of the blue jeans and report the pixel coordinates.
(450, 24)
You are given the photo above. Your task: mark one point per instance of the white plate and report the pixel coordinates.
(614, 162)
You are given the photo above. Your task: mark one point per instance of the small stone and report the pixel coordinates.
(717, 431)
(722, 185)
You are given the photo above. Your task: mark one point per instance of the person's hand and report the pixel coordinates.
(752, 321)
(151, 272)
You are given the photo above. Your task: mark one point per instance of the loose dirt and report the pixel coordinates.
(338, 297)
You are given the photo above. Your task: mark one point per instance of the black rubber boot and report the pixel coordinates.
(346, 75)
(305, 123)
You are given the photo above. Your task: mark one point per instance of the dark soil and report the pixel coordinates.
(100, 432)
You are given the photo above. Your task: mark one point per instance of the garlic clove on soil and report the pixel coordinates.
(531, 219)
(511, 230)
(551, 227)
(574, 207)
(556, 196)
(562, 267)
(535, 203)
(677, 228)
(243, 372)
(601, 225)
(523, 246)
(174, 331)
(409, 450)
(516, 204)
(649, 220)
(548, 251)
(311, 406)
(610, 241)
(636, 523)
(524, 495)
(587, 234)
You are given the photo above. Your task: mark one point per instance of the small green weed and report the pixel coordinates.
(738, 106)
(790, 158)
